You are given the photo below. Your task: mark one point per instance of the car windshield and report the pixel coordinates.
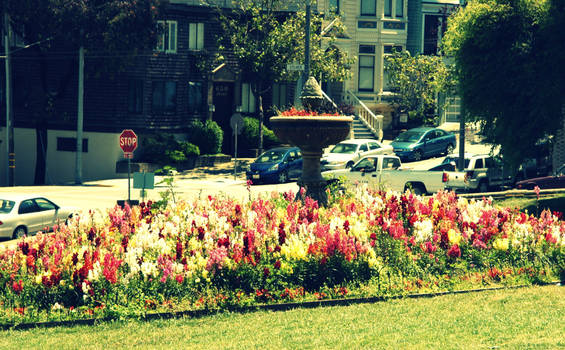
(455, 160)
(273, 156)
(408, 136)
(346, 148)
(6, 206)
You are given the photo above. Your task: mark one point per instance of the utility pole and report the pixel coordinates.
(307, 43)
(10, 155)
(78, 167)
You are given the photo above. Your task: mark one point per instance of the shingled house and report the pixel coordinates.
(162, 91)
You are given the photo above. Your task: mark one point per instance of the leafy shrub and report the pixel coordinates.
(208, 136)
(249, 137)
(163, 148)
(155, 146)
(189, 149)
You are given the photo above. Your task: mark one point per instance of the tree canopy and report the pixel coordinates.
(509, 58)
(112, 32)
(112, 29)
(265, 35)
(416, 81)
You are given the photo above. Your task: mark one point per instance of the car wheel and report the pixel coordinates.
(449, 149)
(19, 232)
(417, 155)
(283, 177)
(348, 165)
(483, 187)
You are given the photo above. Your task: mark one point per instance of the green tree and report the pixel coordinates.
(417, 80)
(266, 35)
(509, 58)
(113, 31)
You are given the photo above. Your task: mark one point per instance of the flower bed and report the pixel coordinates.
(293, 112)
(216, 253)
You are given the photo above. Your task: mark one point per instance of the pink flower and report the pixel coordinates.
(537, 190)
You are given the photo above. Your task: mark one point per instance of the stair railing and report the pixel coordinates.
(368, 118)
(351, 135)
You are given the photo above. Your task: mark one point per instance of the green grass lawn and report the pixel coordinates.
(533, 206)
(523, 318)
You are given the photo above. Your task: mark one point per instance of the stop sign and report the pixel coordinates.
(128, 141)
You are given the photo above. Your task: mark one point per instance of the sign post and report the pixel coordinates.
(236, 122)
(128, 144)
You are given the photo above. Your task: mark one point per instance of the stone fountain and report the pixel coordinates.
(312, 134)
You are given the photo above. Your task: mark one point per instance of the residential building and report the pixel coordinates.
(162, 91)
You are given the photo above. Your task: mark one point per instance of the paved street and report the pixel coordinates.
(191, 184)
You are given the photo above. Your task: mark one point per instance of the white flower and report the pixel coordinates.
(94, 274)
(85, 288)
(149, 269)
(423, 230)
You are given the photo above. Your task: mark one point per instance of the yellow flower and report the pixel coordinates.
(500, 244)
(454, 236)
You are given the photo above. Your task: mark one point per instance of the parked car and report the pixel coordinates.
(276, 165)
(556, 180)
(348, 152)
(385, 172)
(417, 143)
(21, 215)
(482, 172)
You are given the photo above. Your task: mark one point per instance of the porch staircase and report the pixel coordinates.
(360, 130)
(366, 125)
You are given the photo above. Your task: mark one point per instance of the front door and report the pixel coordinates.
(223, 103)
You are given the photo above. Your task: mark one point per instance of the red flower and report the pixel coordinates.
(454, 252)
(277, 264)
(293, 112)
(18, 286)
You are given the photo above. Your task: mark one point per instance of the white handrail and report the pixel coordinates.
(370, 120)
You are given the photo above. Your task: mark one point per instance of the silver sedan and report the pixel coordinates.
(22, 215)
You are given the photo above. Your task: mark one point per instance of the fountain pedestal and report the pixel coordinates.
(312, 134)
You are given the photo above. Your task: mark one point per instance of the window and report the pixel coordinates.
(387, 50)
(388, 8)
(374, 145)
(368, 8)
(195, 36)
(247, 99)
(69, 144)
(135, 96)
(167, 41)
(28, 206)
(366, 67)
(280, 97)
(391, 163)
(363, 148)
(45, 204)
(394, 8)
(334, 6)
(164, 97)
(195, 97)
(399, 13)
(479, 164)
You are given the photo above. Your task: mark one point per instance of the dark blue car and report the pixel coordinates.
(276, 165)
(418, 143)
